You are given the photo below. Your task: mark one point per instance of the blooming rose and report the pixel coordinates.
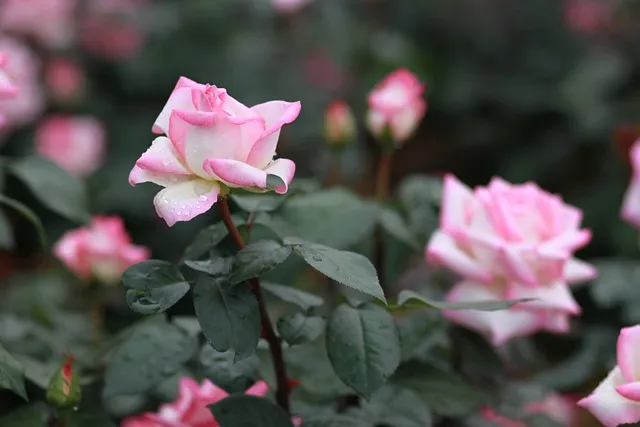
(190, 409)
(213, 141)
(396, 104)
(28, 17)
(340, 125)
(65, 79)
(21, 67)
(102, 251)
(631, 205)
(617, 399)
(76, 144)
(510, 242)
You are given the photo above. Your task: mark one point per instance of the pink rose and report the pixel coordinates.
(289, 6)
(102, 251)
(339, 124)
(26, 17)
(510, 242)
(213, 142)
(396, 105)
(559, 408)
(190, 409)
(76, 144)
(21, 67)
(588, 16)
(7, 89)
(65, 79)
(630, 211)
(617, 399)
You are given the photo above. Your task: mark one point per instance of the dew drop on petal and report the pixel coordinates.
(203, 198)
(165, 200)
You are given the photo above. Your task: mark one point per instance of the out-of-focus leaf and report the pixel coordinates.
(220, 368)
(249, 411)
(28, 214)
(11, 374)
(398, 407)
(298, 329)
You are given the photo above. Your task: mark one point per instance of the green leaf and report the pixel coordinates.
(152, 352)
(335, 420)
(349, 268)
(413, 299)
(11, 374)
(259, 202)
(249, 411)
(229, 316)
(446, 393)
(363, 346)
(274, 181)
(303, 299)
(419, 332)
(420, 195)
(216, 266)
(7, 241)
(26, 416)
(234, 377)
(298, 329)
(398, 407)
(394, 224)
(153, 286)
(28, 214)
(80, 419)
(53, 186)
(258, 258)
(335, 217)
(208, 238)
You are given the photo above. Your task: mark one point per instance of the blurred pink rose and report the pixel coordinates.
(289, 6)
(396, 105)
(213, 141)
(102, 250)
(111, 28)
(65, 79)
(321, 70)
(617, 399)
(76, 144)
(21, 67)
(559, 408)
(630, 211)
(589, 16)
(510, 242)
(499, 420)
(50, 22)
(190, 409)
(339, 124)
(7, 89)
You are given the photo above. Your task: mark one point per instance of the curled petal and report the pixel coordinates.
(285, 169)
(443, 250)
(180, 99)
(162, 158)
(260, 388)
(628, 350)
(576, 271)
(630, 390)
(631, 205)
(554, 296)
(457, 200)
(139, 175)
(184, 201)
(275, 114)
(501, 325)
(210, 393)
(235, 173)
(517, 267)
(609, 406)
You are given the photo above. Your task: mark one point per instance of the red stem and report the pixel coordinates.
(282, 382)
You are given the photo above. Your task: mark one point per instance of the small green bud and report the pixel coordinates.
(64, 388)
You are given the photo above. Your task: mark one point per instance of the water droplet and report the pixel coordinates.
(187, 212)
(317, 258)
(165, 162)
(165, 200)
(174, 203)
(204, 198)
(183, 206)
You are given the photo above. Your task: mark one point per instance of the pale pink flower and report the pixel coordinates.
(617, 399)
(396, 106)
(75, 143)
(630, 211)
(559, 408)
(510, 242)
(102, 250)
(289, 6)
(65, 79)
(110, 28)
(21, 67)
(50, 22)
(190, 408)
(339, 124)
(213, 142)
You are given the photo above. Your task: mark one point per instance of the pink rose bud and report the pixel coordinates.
(510, 242)
(289, 6)
(190, 408)
(26, 18)
(102, 251)
(616, 400)
(630, 210)
(64, 387)
(396, 106)
(21, 97)
(212, 143)
(65, 80)
(339, 124)
(76, 144)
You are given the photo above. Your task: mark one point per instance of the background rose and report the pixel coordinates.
(212, 139)
(509, 242)
(26, 17)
